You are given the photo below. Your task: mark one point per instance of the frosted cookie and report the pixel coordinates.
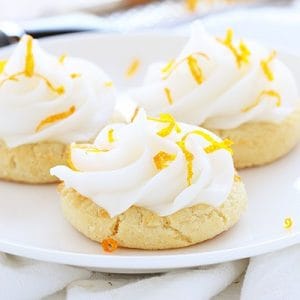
(47, 102)
(151, 184)
(236, 88)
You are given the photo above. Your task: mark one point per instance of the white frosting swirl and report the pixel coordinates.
(229, 95)
(120, 170)
(74, 93)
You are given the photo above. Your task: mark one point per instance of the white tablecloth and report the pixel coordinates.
(272, 276)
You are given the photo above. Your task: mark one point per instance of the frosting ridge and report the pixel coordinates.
(45, 98)
(219, 83)
(155, 163)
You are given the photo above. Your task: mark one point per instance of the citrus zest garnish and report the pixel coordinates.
(109, 245)
(89, 148)
(244, 52)
(108, 84)
(237, 178)
(29, 59)
(189, 157)
(2, 65)
(241, 53)
(102, 213)
(14, 77)
(195, 69)
(110, 135)
(136, 111)
(214, 145)
(62, 58)
(168, 66)
(169, 119)
(270, 93)
(162, 159)
(225, 144)
(266, 67)
(69, 158)
(55, 118)
(75, 75)
(191, 5)
(59, 90)
(175, 65)
(29, 69)
(132, 68)
(288, 223)
(169, 95)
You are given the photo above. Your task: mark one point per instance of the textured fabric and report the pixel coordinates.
(273, 276)
(22, 278)
(270, 276)
(200, 283)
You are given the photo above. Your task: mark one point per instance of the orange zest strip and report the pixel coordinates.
(108, 84)
(89, 148)
(229, 37)
(70, 163)
(136, 111)
(189, 157)
(270, 93)
(133, 68)
(75, 75)
(29, 69)
(168, 66)
(228, 43)
(226, 145)
(237, 178)
(241, 53)
(62, 58)
(288, 223)
(29, 59)
(172, 124)
(59, 90)
(169, 95)
(102, 213)
(266, 67)
(110, 135)
(2, 65)
(13, 77)
(214, 145)
(174, 66)
(244, 52)
(109, 245)
(195, 69)
(162, 159)
(55, 118)
(191, 5)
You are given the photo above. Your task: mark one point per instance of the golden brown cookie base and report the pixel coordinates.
(140, 228)
(261, 143)
(31, 163)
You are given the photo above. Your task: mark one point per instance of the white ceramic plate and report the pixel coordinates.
(31, 223)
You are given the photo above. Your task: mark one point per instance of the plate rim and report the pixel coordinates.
(123, 263)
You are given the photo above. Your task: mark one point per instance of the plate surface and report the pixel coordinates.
(31, 223)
